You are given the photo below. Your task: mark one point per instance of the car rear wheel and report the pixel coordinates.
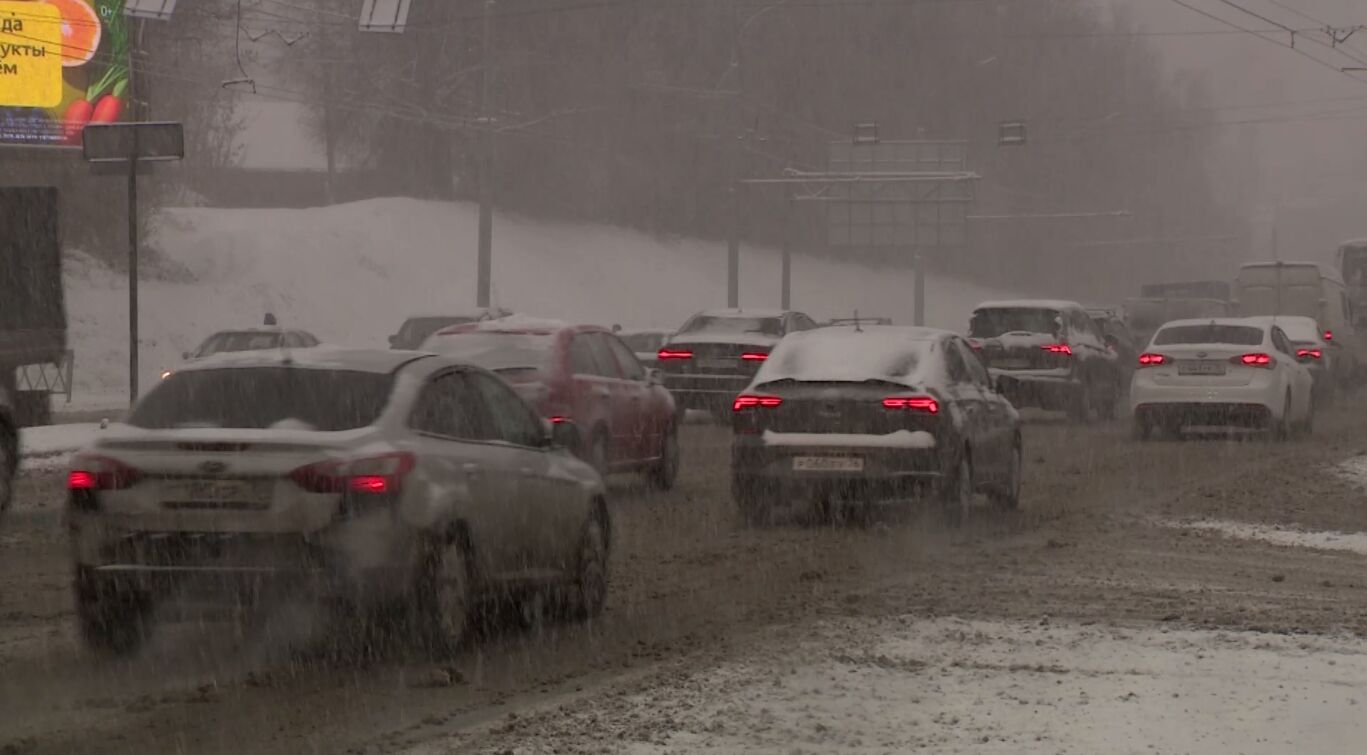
(1283, 427)
(1008, 497)
(956, 493)
(445, 595)
(664, 472)
(591, 576)
(111, 619)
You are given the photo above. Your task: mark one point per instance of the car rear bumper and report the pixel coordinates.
(704, 391)
(1202, 414)
(771, 472)
(1046, 389)
(1260, 396)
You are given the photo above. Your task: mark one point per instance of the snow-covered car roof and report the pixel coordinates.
(1255, 322)
(1029, 304)
(742, 313)
(318, 357)
(473, 314)
(894, 353)
(509, 324)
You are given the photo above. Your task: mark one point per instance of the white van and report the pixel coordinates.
(1307, 290)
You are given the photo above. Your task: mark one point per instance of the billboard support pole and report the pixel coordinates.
(786, 274)
(733, 248)
(919, 311)
(133, 279)
(485, 250)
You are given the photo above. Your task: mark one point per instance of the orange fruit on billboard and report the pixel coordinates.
(81, 31)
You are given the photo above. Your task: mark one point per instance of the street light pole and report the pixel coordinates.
(483, 272)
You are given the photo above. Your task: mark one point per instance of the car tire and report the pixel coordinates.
(956, 492)
(1282, 429)
(1009, 497)
(9, 465)
(665, 472)
(591, 571)
(445, 594)
(112, 620)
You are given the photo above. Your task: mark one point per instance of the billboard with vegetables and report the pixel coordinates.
(63, 64)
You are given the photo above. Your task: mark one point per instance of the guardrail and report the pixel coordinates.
(49, 377)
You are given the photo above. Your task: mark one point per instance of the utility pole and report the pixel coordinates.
(919, 311)
(329, 138)
(786, 273)
(139, 114)
(483, 273)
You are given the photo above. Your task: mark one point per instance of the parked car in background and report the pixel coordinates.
(875, 415)
(1305, 289)
(1239, 373)
(645, 344)
(860, 321)
(368, 480)
(1145, 315)
(1311, 350)
(416, 329)
(266, 338)
(717, 352)
(1048, 354)
(582, 374)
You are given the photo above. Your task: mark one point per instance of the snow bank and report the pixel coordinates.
(51, 447)
(351, 273)
(1353, 542)
(955, 686)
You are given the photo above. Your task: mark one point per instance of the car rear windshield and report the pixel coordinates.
(990, 323)
(417, 329)
(219, 343)
(494, 350)
(769, 326)
(261, 397)
(854, 357)
(1236, 335)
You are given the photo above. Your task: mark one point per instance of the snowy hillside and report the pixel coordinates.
(351, 273)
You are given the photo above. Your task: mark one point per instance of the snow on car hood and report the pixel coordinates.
(892, 354)
(898, 439)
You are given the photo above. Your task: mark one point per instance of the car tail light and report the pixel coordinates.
(975, 344)
(100, 473)
(1255, 360)
(754, 356)
(1328, 335)
(913, 403)
(1152, 360)
(667, 354)
(558, 419)
(1058, 348)
(751, 401)
(372, 475)
(1309, 353)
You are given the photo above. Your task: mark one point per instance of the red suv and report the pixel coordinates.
(583, 374)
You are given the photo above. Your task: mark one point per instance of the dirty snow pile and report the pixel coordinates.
(351, 273)
(957, 686)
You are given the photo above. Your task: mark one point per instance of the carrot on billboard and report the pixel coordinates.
(63, 64)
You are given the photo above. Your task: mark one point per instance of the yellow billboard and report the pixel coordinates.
(30, 54)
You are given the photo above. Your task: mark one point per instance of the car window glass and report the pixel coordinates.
(581, 357)
(954, 364)
(976, 370)
(449, 407)
(605, 363)
(630, 366)
(513, 421)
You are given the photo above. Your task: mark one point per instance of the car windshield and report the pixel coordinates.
(262, 397)
(1234, 335)
(220, 343)
(990, 323)
(769, 326)
(495, 350)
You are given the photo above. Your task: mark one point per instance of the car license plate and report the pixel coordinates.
(217, 491)
(828, 464)
(1011, 364)
(1200, 368)
(716, 364)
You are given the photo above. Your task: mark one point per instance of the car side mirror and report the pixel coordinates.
(562, 434)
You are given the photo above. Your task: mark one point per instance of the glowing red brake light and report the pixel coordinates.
(1152, 360)
(101, 473)
(913, 403)
(748, 401)
(1309, 353)
(1059, 348)
(754, 356)
(1255, 360)
(1328, 335)
(665, 354)
(373, 475)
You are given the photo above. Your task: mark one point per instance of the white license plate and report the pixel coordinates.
(828, 464)
(217, 491)
(717, 364)
(1200, 368)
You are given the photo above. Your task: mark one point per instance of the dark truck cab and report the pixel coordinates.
(32, 314)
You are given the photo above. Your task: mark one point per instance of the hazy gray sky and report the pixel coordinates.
(1310, 120)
